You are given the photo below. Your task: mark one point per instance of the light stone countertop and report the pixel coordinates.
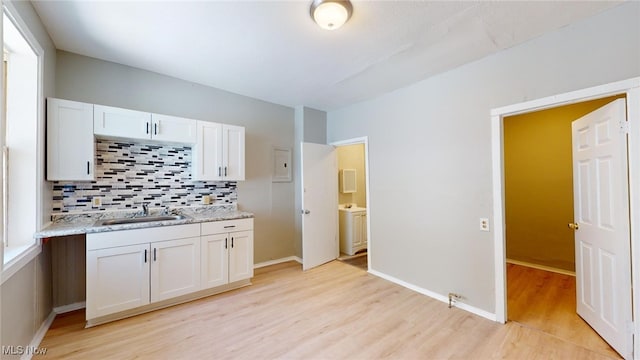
(84, 223)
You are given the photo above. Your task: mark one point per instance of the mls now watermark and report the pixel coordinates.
(23, 350)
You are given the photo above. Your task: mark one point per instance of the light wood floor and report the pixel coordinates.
(546, 301)
(335, 311)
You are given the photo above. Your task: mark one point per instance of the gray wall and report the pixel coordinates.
(91, 80)
(26, 297)
(430, 149)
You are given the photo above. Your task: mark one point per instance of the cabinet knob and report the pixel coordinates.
(306, 212)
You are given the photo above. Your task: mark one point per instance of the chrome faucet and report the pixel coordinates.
(145, 209)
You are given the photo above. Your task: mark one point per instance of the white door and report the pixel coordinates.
(117, 279)
(175, 268)
(121, 123)
(207, 152)
(601, 214)
(319, 204)
(233, 152)
(214, 263)
(173, 129)
(240, 255)
(70, 145)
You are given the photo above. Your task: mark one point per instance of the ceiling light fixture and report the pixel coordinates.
(331, 14)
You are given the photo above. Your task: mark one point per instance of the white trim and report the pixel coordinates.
(20, 261)
(594, 92)
(541, 267)
(277, 261)
(633, 141)
(631, 88)
(436, 296)
(69, 308)
(363, 140)
(39, 335)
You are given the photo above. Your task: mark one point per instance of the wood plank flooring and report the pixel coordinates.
(546, 301)
(335, 311)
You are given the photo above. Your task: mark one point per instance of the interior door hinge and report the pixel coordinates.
(624, 127)
(630, 327)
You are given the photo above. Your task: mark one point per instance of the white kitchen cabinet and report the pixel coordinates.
(353, 230)
(227, 252)
(175, 129)
(219, 152)
(117, 279)
(131, 268)
(175, 268)
(116, 122)
(70, 143)
(233, 152)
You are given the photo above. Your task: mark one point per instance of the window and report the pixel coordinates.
(20, 132)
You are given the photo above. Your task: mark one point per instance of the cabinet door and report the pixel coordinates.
(121, 123)
(173, 129)
(357, 229)
(233, 152)
(363, 230)
(207, 152)
(117, 279)
(175, 268)
(241, 255)
(70, 144)
(214, 260)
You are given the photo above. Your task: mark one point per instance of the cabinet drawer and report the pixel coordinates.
(225, 226)
(139, 236)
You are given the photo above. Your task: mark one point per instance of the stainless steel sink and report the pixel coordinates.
(136, 220)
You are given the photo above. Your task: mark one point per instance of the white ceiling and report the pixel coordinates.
(272, 50)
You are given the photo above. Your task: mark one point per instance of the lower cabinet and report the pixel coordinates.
(133, 268)
(227, 252)
(353, 230)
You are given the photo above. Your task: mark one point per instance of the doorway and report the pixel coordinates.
(632, 90)
(353, 209)
(319, 181)
(539, 204)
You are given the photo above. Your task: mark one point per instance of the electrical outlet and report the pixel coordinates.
(484, 224)
(96, 201)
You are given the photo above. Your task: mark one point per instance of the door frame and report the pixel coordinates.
(631, 88)
(362, 140)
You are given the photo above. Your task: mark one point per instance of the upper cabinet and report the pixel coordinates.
(218, 149)
(131, 124)
(70, 145)
(218, 153)
(121, 123)
(173, 129)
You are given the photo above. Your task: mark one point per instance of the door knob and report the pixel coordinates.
(306, 212)
(573, 226)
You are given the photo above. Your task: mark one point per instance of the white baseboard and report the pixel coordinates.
(69, 308)
(277, 261)
(38, 336)
(541, 267)
(431, 294)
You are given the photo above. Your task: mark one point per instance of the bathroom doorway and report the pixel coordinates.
(353, 206)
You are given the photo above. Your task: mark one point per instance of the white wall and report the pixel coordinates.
(91, 80)
(430, 148)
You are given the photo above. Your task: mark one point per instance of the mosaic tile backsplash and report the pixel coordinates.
(129, 174)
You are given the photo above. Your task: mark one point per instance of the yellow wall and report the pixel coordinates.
(352, 157)
(539, 184)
